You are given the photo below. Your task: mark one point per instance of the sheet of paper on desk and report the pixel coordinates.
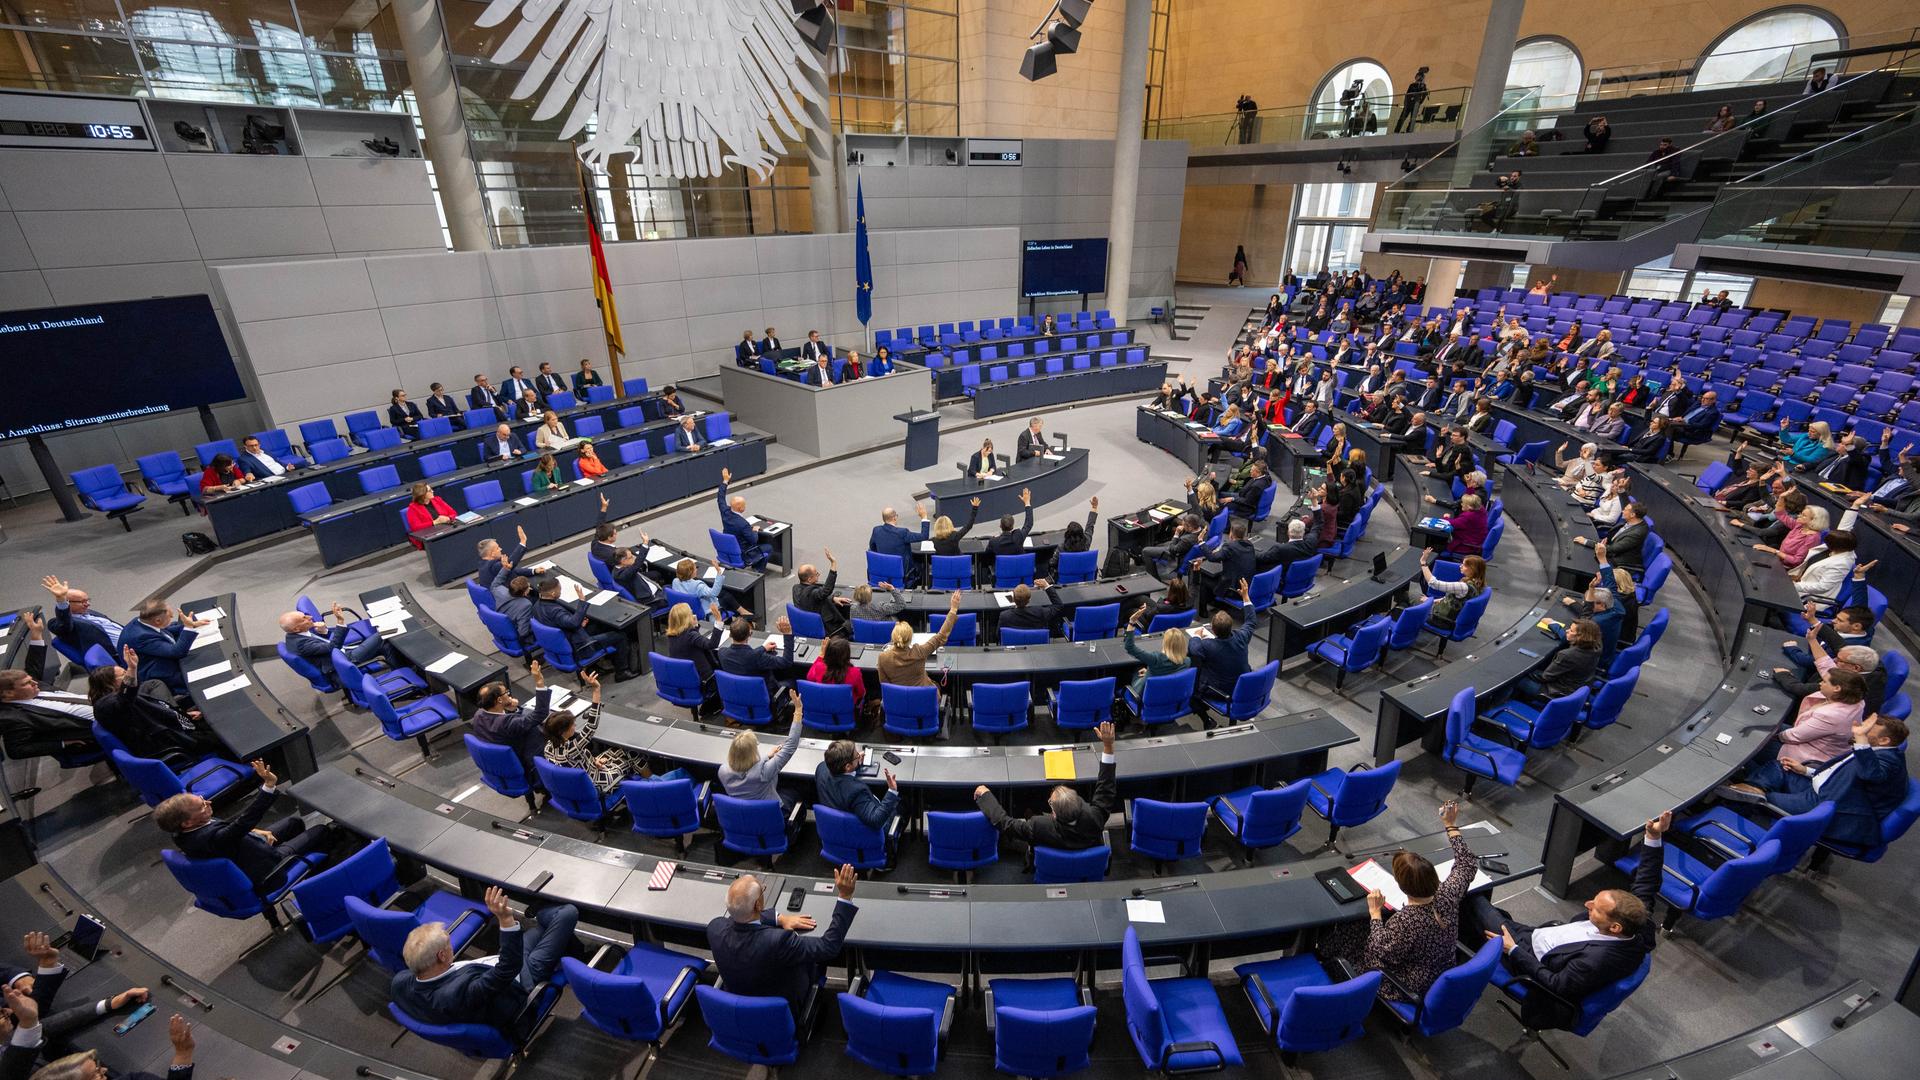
(583, 481)
(1027, 543)
(1158, 514)
(1146, 911)
(209, 671)
(212, 614)
(569, 588)
(236, 683)
(658, 554)
(469, 517)
(446, 663)
(711, 572)
(579, 705)
(525, 500)
(778, 641)
(603, 596)
(205, 638)
(771, 527)
(1004, 599)
(540, 567)
(922, 639)
(924, 545)
(721, 442)
(385, 603)
(1054, 457)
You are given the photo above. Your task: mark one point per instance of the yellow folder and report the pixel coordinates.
(1059, 764)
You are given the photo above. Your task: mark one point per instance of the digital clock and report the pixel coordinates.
(74, 133)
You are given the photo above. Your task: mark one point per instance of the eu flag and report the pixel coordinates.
(862, 261)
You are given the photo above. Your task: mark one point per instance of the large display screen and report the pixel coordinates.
(1063, 267)
(74, 367)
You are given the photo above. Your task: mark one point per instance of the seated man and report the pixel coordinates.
(310, 641)
(761, 954)
(162, 636)
(1026, 615)
(812, 593)
(502, 721)
(1864, 784)
(1861, 660)
(1851, 625)
(37, 721)
(496, 562)
(1221, 658)
(1246, 502)
(1070, 822)
(891, 538)
(258, 852)
(75, 623)
(835, 785)
(491, 991)
(624, 564)
(514, 599)
(733, 522)
(149, 723)
(1572, 960)
(768, 661)
(570, 617)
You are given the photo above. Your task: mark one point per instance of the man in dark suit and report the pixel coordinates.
(549, 382)
(626, 565)
(1222, 658)
(1237, 559)
(435, 990)
(149, 724)
(162, 637)
(733, 522)
(1297, 546)
(1026, 615)
(497, 563)
(513, 598)
(1033, 441)
(1701, 421)
(254, 460)
(1009, 540)
(1432, 396)
(1163, 560)
(812, 349)
(1862, 660)
(761, 954)
(1864, 785)
(1627, 547)
(258, 852)
(517, 385)
(770, 345)
(1071, 822)
(685, 438)
(1572, 960)
(891, 538)
(75, 622)
(1848, 468)
(502, 721)
(570, 618)
(768, 661)
(501, 446)
(821, 373)
(308, 639)
(747, 352)
(439, 404)
(1674, 403)
(1246, 502)
(835, 785)
(812, 593)
(484, 396)
(37, 722)
(527, 407)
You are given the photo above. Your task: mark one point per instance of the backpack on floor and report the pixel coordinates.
(198, 543)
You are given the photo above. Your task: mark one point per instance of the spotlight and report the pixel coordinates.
(1074, 11)
(816, 23)
(952, 158)
(191, 135)
(1064, 39)
(1039, 62)
(382, 147)
(1061, 28)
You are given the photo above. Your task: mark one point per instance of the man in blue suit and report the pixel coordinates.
(891, 538)
(1864, 786)
(162, 637)
(1700, 422)
(760, 954)
(835, 785)
(75, 622)
(685, 439)
(308, 639)
(435, 991)
(257, 463)
(733, 522)
(1222, 658)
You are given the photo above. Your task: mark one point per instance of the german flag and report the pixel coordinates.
(602, 282)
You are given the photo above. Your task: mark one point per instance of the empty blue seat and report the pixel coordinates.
(897, 1024)
(1075, 567)
(1011, 570)
(1351, 798)
(1356, 651)
(642, 997)
(891, 569)
(165, 474)
(1177, 1024)
(952, 572)
(826, 707)
(101, 489)
(1040, 1027)
(744, 698)
(1260, 817)
(1059, 866)
(754, 827)
(1302, 1009)
(220, 888)
(1167, 831)
(1451, 998)
(910, 710)
(1001, 708)
(846, 840)
(1080, 704)
(1092, 622)
(961, 841)
(668, 809)
(1723, 830)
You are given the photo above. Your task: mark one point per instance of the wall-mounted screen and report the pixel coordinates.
(1063, 267)
(74, 367)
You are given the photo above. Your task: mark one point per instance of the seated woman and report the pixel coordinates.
(424, 511)
(686, 641)
(552, 435)
(1481, 422)
(1637, 393)
(1650, 445)
(1822, 727)
(834, 667)
(1578, 468)
(1172, 656)
(589, 463)
(1571, 665)
(946, 539)
(546, 473)
(903, 663)
(1415, 944)
(1809, 449)
(1822, 575)
(747, 775)
(1474, 483)
(1801, 537)
(983, 463)
(687, 580)
(1469, 527)
(570, 742)
(222, 474)
(1453, 594)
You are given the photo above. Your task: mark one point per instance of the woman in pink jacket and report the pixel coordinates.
(1823, 728)
(1802, 538)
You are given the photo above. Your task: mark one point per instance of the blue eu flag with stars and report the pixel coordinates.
(862, 261)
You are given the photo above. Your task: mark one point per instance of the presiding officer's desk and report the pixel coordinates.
(1031, 393)
(825, 421)
(1875, 1039)
(260, 509)
(1706, 748)
(232, 701)
(1175, 434)
(1048, 479)
(574, 508)
(426, 646)
(976, 929)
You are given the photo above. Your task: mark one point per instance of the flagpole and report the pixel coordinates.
(593, 220)
(866, 328)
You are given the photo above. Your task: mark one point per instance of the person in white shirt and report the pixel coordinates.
(257, 463)
(502, 446)
(1823, 573)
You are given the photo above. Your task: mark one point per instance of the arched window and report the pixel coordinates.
(1332, 116)
(1550, 64)
(1769, 47)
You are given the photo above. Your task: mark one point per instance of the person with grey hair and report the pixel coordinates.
(1033, 441)
(761, 954)
(435, 990)
(313, 642)
(1862, 660)
(1071, 822)
(162, 637)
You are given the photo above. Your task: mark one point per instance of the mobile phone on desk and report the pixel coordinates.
(796, 898)
(892, 758)
(133, 1019)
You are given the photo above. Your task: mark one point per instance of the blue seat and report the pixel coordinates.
(1691, 886)
(1299, 578)
(1059, 866)
(484, 1040)
(1451, 998)
(1476, 755)
(1714, 476)
(433, 427)
(1040, 1027)
(827, 706)
(1075, 567)
(384, 929)
(561, 401)
(966, 629)
(953, 572)
(500, 769)
(1343, 545)
(1465, 624)
(1171, 620)
(1091, 622)
(1001, 708)
(1164, 698)
(378, 479)
(744, 698)
(635, 451)
(1656, 576)
(308, 498)
(482, 495)
(359, 424)
(471, 419)
(165, 474)
(910, 710)
(1542, 727)
(1260, 817)
(275, 442)
(599, 395)
(328, 451)
(572, 792)
(414, 720)
(677, 682)
(100, 488)
(642, 997)
(1892, 828)
(156, 781)
(1177, 1024)
(961, 841)
(219, 888)
(1081, 704)
(1251, 692)
(1011, 570)
(370, 877)
(559, 651)
(751, 826)
(1351, 798)
(1725, 831)
(1591, 1010)
(1302, 1009)
(891, 569)
(207, 451)
(805, 623)
(1167, 831)
(667, 809)
(897, 1024)
(438, 463)
(1356, 651)
(603, 577)
(1018, 636)
(872, 631)
(755, 1030)
(845, 840)
(380, 438)
(320, 679)
(313, 431)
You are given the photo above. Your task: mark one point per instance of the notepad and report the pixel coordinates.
(214, 691)
(721, 442)
(469, 517)
(603, 596)
(209, 671)
(1004, 599)
(385, 603)
(212, 614)
(1146, 911)
(525, 500)
(1371, 875)
(204, 638)
(446, 663)
(583, 481)
(1059, 764)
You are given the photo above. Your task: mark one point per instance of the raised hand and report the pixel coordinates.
(726, 476)
(36, 945)
(975, 502)
(892, 784)
(1658, 826)
(132, 658)
(496, 900)
(539, 673)
(1026, 497)
(1376, 904)
(1104, 732)
(55, 586)
(1450, 814)
(843, 880)
(260, 769)
(1094, 504)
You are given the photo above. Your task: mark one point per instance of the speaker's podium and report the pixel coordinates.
(923, 438)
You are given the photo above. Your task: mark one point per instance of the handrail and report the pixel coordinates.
(1533, 93)
(1599, 78)
(1388, 99)
(1875, 131)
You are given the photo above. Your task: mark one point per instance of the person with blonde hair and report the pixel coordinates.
(1809, 449)
(1172, 656)
(946, 538)
(546, 472)
(903, 663)
(1800, 539)
(747, 775)
(685, 641)
(552, 435)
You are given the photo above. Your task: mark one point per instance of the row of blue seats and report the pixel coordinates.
(932, 336)
(1027, 369)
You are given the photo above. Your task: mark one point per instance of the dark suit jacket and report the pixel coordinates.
(318, 648)
(1013, 541)
(405, 416)
(897, 540)
(1575, 971)
(769, 345)
(1284, 554)
(1625, 546)
(1030, 447)
(443, 406)
(1849, 470)
(754, 660)
(818, 598)
(79, 633)
(849, 793)
(761, 960)
(1048, 616)
(27, 730)
(515, 389)
(1863, 792)
(1221, 663)
(471, 992)
(814, 376)
(549, 385)
(980, 464)
(568, 616)
(150, 728)
(519, 729)
(1074, 833)
(582, 380)
(738, 527)
(746, 353)
(232, 838)
(1237, 560)
(160, 651)
(478, 398)
(811, 351)
(1246, 502)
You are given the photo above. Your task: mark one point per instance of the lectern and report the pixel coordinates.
(923, 438)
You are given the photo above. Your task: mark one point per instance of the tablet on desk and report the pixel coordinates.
(469, 517)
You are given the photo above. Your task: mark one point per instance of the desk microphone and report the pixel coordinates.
(381, 780)
(908, 889)
(1841, 1020)
(205, 1005)
(540, 881)
(1167, 888)
(524, 834)
(1611, 778)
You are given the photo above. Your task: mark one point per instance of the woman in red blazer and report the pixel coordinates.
(835, 667)
(424, 511)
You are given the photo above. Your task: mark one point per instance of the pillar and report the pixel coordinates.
(1496, 56)
(823, 158)
(1128, 119)
(1443, 277)
(430, 69)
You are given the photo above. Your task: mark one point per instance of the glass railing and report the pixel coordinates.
(1383, 115)
(1752, 67)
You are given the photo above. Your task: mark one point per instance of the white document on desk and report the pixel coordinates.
(1145, 911)
(212, 614)
(771, 528)
(384, 605)
(658, 554)
(1053, 457)
(236, 683)
(446, 663)
(603, 596)
(924, 546)
(1004, 599)
(721, 442)
(583, 481)
(209, 671)
(468, 518)
(204, 638)
(1027, 543)
(525, 500)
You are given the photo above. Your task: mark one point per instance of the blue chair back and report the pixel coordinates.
(1363, 794)
(961, 841)
(572, 791)
(1042, 1043)
(903, 1041)
(1011, 570)
(1167, 831)
(318, 678)
(1406, 625)
(806, 623)
(473, 1040)
(953, 571)
(307, 498)
(1557, 718)
(1171, 620)
(827, 706)
(433, 427)
(1082, 704)
(910, 710)
(500, 767)
(561, 401)
(378, 479)
(620, 1005)
(999, 708)
(383, 931)
(553, 642)
(438, 463)
(1796, 834)
(667, 809)
(1018, 636)
(1252, 691)
(1058, 866)
(599, 395)
(966, 629)
(327, 451)
(891, 569)
(844, 839)
(367, 874)
(207, 451)
(750, 826)
(482, 495)
(756, 1030)
(506, 636)
(634, 451)
(1299, 577)
(164, 473)
(1732, 882)
(1166, 698)
(1454, 994)
(1603, 1001)
(603, 577)
(1468, 621)
(744, 699)
(1319, 1018)
(476, 420)
(1076, 567)
(217, 885)
(1274, 814)
(380, 438)
(1095, 621)
(872, 631)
